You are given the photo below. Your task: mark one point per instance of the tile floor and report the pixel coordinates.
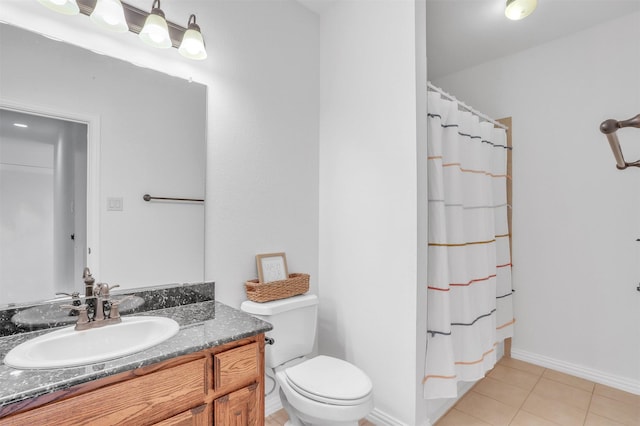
(516, 393)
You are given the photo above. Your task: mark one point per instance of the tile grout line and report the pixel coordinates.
(607, 398)
(593, 392)
(529, 392)
(528, 395)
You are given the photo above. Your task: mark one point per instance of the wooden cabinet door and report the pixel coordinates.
(239, 408)
(236, 368)
(199, 416)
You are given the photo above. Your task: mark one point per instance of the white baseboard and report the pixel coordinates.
(380, 418)
(597, 376)
(272, 404)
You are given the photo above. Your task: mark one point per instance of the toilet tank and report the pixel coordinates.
(294, 326)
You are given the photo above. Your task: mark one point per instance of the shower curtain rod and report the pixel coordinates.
(465, 106)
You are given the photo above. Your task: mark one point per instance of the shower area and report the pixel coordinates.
(469, 291)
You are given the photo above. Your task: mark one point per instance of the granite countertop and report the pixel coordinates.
(202, 325)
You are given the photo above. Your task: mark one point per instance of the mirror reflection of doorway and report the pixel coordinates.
(43, 205)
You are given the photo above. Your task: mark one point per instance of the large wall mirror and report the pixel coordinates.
(100, 134)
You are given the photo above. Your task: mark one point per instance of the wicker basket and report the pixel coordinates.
(264, 292)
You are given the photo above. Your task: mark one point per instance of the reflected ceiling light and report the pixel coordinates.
(519, 9)
(192, 45)
(155, 31)
(21, 125)
(67, 7)
(109, 14)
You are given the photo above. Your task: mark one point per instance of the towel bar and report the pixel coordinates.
(609, 128)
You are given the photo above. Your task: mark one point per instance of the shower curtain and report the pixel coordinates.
(469, 264)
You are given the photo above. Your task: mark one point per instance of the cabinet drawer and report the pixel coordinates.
(141, 401)
(199, 416)
(236, 367)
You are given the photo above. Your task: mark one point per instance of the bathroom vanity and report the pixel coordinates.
(211, 372)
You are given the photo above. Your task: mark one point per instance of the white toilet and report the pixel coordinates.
(316, 391)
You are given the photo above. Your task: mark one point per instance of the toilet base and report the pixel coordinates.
(304, 411)
(297, 418)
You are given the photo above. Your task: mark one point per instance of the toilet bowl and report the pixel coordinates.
(318, 391)
(325, 391)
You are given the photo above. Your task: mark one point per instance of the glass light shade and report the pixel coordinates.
(110, 15)
(155, 31)
(519, 9)
(192, 45)
(66, 7)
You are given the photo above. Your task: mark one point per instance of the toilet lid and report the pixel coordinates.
(330, 380)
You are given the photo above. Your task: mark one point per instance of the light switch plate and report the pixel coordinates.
(114, 204)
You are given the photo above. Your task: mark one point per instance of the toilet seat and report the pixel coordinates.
(330, 380)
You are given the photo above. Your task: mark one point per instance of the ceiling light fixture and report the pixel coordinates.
(66, 7)
(519, 9)
(109, 14)
(192, 45)
(155, 31)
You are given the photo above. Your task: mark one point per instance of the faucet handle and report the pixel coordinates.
(82, 311)
(73, 295)
(115, 306)
(75, 298)
(103, 289)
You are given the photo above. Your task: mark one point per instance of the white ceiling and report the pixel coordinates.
(464, 33)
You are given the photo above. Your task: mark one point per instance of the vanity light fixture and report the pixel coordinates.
(66, 7)
(109, 14)
(192, 45)
(155, 31)
(519, 9)
(152, 27)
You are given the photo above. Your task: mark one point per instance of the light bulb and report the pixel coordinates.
(66, 7)
(155, 31)
(109, 14)
(519, 9)
(192, 45)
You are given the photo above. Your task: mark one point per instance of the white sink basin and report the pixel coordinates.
(68, 348)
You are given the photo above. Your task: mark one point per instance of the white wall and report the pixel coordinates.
(262, 164)
(368, 197)
(576, 218)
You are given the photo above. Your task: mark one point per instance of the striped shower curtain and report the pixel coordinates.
(469, 265)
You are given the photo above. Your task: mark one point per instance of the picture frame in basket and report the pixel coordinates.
(272, 267)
